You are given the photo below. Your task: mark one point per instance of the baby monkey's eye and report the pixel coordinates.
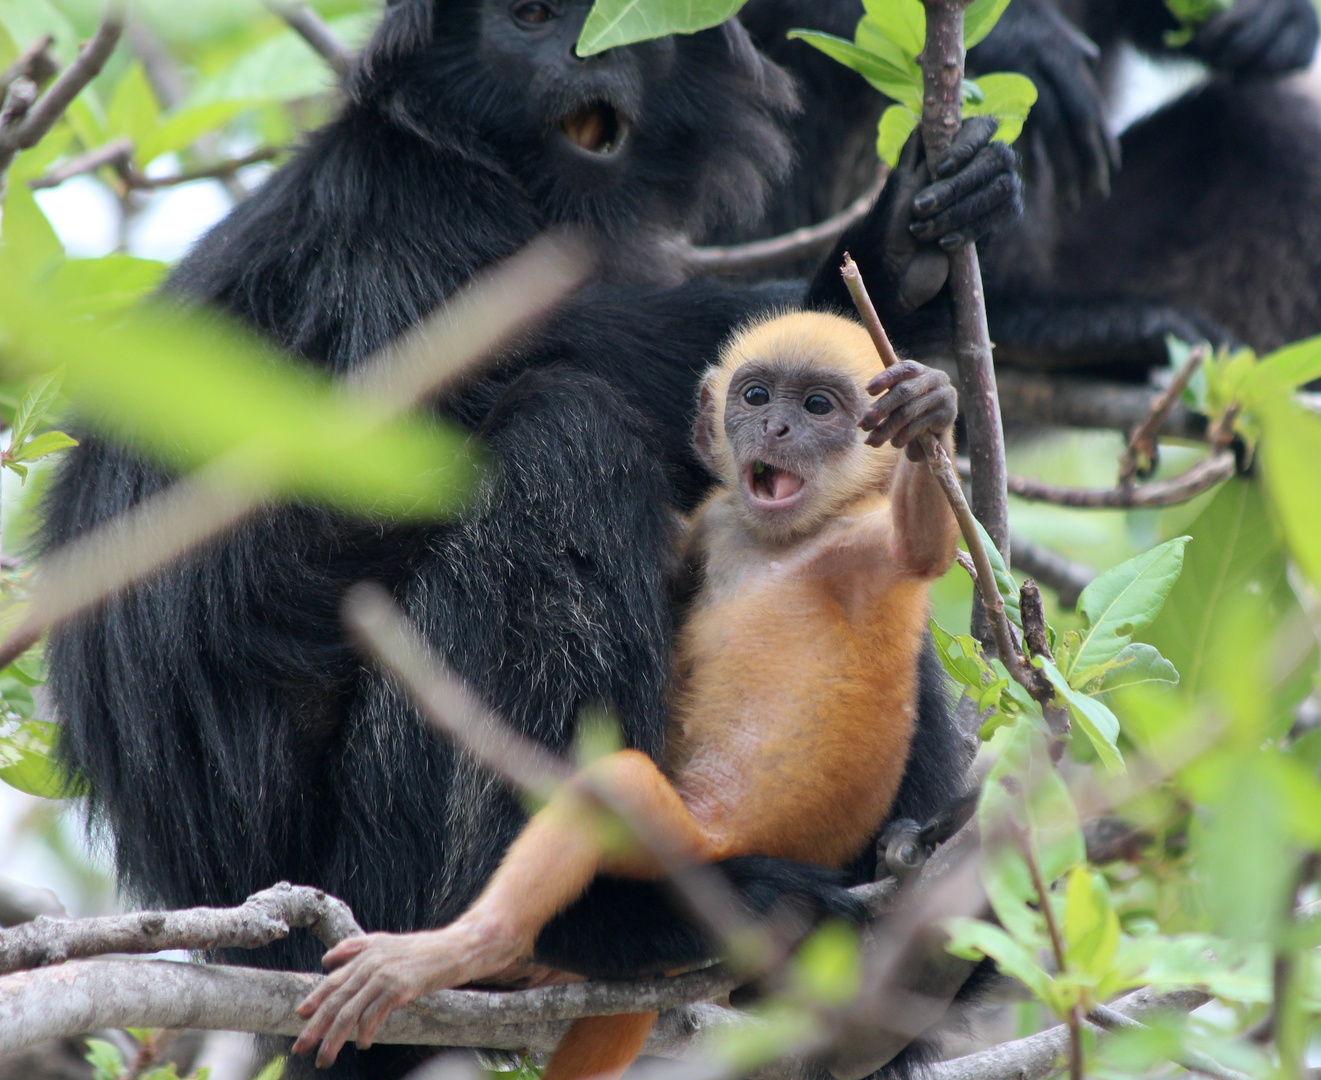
(757, 395)
(819, 405)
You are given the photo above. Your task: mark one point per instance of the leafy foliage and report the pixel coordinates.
(621, 22)
(884, 51)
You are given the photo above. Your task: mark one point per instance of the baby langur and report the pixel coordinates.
(796, 678)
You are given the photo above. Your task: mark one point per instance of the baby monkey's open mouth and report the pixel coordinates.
(596, 127)
(771, 484)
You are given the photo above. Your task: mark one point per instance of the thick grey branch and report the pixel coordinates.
(265, 917)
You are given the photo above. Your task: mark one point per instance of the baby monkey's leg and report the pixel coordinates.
(566, 844)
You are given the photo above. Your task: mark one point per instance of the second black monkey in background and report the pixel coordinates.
(1211, 228)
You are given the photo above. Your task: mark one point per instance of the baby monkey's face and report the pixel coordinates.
(789, 426)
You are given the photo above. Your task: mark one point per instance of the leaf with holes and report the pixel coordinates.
(1124, 600)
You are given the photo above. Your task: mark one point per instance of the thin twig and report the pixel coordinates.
(312, 28)
(941, 61)
(1074, 1020)
(35, 63)
(1140, 455)
(120, 154)
(51, 106)
(1203, 476)
(943, 470)
(797, 244)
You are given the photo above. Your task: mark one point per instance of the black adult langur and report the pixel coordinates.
(228, 732)
(1211, 227)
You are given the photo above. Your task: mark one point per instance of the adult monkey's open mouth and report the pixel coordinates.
(596, 127)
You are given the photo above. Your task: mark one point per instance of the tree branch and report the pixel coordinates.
(1103, 1016)
(264, 917)
(34, 63)
(1038, 1056)
(1140, 455)
(942, 109)
(1051, 569)
(1216, 469)
(312, 28)
(119, 153)
(777, 250)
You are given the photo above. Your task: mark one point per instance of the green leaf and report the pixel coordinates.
(1004, 580)
(961, 657)
(273, 1071)
(27, 759)
(828, 965)
(1135, 663)
(979, 19)
(897, 123)
(1124, 600)
(105, 1059)
(1091, 927)
(101, 286)
(1008, 97)
(1098, 723)
(1290, 449)
(1025, 798)
(180, 129)
(1287, 368)
(973, 939)
(1238, 555)
(49, 442)
(896, 82)
(133, 111)
(29, 248)
(34, 406)
(902, 22)
(190, 388)
(27, 21)
(612, 23)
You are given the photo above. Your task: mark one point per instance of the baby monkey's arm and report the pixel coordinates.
(915, 400)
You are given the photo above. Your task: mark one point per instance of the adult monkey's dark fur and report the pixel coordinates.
(1213, 226)
(230, 735)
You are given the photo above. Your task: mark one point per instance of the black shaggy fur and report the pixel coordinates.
(229, 734)
(1213, 227)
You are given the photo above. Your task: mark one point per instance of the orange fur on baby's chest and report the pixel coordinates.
(795, 715)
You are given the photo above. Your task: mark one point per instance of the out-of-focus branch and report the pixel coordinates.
(35, 63)
(22, 132)
(1051, 569)
(450, 345)
(1072, 401)
(776, 250)
(1038, 1056)
(264, 917)
(22, 903)
(1140, 455)
(313, 29)
(1103, 1016)
(1216, 469)
(120, 155)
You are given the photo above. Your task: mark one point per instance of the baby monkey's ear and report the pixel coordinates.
(707, 435)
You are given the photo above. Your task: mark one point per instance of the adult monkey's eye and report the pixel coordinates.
(534, 13)
(819, 405)
(756, 395)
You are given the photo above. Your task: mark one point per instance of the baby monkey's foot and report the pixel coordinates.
(375, 974)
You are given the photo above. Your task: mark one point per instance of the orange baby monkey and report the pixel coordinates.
(796, 675)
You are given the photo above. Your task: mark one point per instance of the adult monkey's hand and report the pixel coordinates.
(976, 190)
(1067, 122)
(1259, 37)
